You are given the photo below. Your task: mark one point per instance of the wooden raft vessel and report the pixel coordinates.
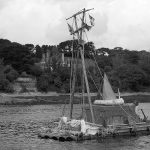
(108, 116)
(108, 124)
(120, 131)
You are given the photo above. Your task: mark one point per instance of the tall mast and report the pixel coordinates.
(79, 32)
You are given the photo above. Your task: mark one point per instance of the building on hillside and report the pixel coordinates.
(47, 57)
(63, 58)
(66, 61)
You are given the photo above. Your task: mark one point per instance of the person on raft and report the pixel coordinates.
(139, 111)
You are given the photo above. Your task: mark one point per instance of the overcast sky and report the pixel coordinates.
(124, 23)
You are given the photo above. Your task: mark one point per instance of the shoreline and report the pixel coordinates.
(38, 98)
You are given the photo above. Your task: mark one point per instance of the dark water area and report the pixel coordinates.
(20, 125)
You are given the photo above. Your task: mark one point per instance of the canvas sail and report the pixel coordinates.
(108, 93)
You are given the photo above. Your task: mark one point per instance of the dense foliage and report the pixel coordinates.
(128, 70)
(7, 76)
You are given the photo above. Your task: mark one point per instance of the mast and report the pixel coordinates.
(79, 32)
(73, 72)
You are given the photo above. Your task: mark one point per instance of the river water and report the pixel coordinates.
(20, 125)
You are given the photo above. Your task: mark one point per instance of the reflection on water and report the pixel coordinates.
(19, 127)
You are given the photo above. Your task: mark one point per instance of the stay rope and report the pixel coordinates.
(129, 115)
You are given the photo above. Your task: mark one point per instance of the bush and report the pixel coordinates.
(12, 75)
(35, 70)
(3, 82)
(42, 83)
(66, 87)
(131, 77)
(5, 85)
(57, 82)
(23, 89)
(9, 88)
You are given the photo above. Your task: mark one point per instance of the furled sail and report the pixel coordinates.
(108, 93)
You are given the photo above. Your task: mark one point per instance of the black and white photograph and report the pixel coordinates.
(74, 74)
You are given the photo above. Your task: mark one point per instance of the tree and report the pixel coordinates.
(67, 46)
(132, 56)
(43, 83)
(89, 49)
(35, 71)
(7, 76)
(11, 74)
(20, 57)
(29, 46)
(103, 61)
(38, 52)
(4, 43)
(102, 51)
(130, 77)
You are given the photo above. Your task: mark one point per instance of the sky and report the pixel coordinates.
(118, 23)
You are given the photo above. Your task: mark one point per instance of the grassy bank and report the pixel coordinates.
(139, 98)
(39, 100)
(62, 99)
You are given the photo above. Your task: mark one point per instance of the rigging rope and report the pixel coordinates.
(129, 115)
(92, 78)
(94, 59)
(93, 81)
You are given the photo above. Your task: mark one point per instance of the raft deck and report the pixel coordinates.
(120, 130)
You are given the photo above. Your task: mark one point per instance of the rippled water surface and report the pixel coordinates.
(20, 125)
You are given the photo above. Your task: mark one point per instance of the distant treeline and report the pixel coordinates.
(128, 70)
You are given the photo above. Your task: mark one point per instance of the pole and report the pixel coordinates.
(87, 86)
(84, 70)
(78, 13)
(81, 50)
(75, 62)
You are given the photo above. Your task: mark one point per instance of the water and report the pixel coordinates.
(20, 125)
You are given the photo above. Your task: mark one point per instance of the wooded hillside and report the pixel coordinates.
(128, 70)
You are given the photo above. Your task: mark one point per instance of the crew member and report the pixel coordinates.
(137, 110)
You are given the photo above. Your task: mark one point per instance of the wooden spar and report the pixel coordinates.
(87, 85)
(72, 89)
(83, 90)
(79, 29)
(145, 118)
(83, 100)
(79, 32)
(84, 70)
(79, 13)
(76, 26)
(74, 65)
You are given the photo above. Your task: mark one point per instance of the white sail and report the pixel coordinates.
(108, 93)
(109, 97)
